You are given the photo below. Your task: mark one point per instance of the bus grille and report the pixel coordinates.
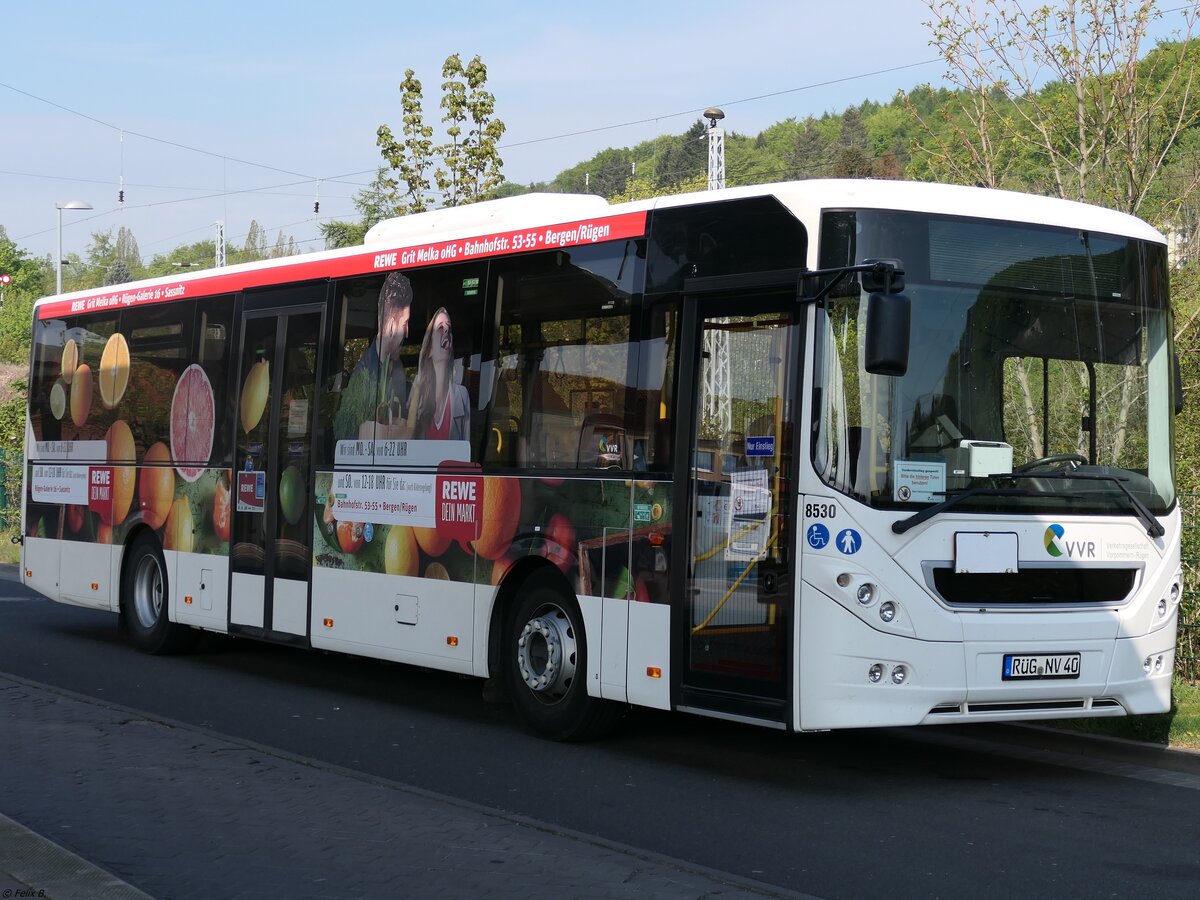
(1054, 706)
(1034, 586)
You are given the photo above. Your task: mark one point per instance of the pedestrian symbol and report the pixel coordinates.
(818, 536)
(848, 541)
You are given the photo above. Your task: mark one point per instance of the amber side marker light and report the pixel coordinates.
(452, 640)
(654, 671)
(187, 599)
(29, 573)
(95, 587)
(329, 623)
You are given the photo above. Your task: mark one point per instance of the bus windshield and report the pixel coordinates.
(1034, 350)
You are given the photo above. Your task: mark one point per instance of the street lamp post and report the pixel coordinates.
(70, 204)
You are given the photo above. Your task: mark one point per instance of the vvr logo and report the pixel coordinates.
(1057, 545)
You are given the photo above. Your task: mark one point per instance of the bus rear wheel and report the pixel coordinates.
(144, 599)
(546, 660)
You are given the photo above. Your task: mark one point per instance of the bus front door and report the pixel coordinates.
(271, 550)
(735, 619)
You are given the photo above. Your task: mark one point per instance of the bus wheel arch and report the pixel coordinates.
(145, 597)
(540, 645)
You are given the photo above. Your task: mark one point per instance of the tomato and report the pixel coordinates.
(350, 536)
(220, 513)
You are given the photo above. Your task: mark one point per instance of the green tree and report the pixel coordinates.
(201, 254)
(683, 157)
(256, 243)
(471, 164)
(412, 156)
(1059, 96)
(377, 201)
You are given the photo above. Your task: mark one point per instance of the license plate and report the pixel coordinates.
(1030, 666)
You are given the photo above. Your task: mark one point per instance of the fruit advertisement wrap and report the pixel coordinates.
(123, 441)
(608, 537)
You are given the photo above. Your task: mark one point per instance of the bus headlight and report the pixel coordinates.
(899, 675)
(866, 593)
(1162, 607)
(875, 673)
(887, 611)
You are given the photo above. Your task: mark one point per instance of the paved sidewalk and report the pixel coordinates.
(178, 812)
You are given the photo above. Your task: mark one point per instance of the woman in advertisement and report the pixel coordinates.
(440, 407)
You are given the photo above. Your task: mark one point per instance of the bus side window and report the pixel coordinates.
(653, 409)
(352, 384)
(565, 354)
(214, 325)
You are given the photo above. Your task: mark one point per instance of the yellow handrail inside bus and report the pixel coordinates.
(733, 587)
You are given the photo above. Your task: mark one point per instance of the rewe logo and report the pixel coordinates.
(1057, 545)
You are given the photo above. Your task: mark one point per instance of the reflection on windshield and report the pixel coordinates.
(1035, 350)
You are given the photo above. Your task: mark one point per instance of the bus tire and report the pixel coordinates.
(144, 599)
(545, 653)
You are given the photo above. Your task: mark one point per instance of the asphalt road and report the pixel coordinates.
(892, 813)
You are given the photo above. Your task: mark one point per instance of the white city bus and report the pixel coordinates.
(808, 455)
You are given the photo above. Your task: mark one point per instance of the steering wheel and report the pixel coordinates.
(1050, 460)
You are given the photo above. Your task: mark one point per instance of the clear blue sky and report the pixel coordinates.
(303, 86)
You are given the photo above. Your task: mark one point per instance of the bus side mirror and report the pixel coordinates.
(889, 317)
(1178, 384)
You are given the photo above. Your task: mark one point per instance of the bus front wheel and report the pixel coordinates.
(546, 660)
(144, 599)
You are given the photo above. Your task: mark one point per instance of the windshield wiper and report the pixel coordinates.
(1153, 527)
(954, 498)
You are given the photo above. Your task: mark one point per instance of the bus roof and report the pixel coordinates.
(495, 227)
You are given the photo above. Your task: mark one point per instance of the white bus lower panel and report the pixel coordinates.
(201, 590)
(421, 621)
(851, 675)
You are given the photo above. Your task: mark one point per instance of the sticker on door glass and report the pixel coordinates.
(918, 481)
(251, 491)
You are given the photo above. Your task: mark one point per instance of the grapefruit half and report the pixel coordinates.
(193, 416)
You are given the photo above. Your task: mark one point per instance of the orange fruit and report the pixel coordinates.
(81, 395)
(156, 485)
(431, 541)
(121, 449)
(400, 555)
(114, 370)
(501, 514)
(181, 527)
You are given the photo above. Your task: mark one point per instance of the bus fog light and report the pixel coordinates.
(887, 611)
(1147, 663)
(843, 580)
(875, 673)
(1162, 607)
(1158, 663)
(899, 675)
(1174, 591)
(866, 594)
